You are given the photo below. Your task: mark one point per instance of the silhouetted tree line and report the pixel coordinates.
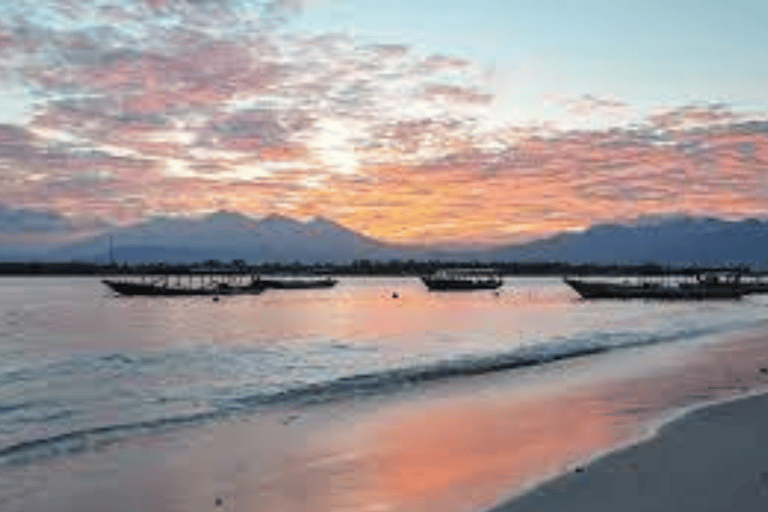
(361, 267)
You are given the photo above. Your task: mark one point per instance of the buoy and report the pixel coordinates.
(394, 295)
(290, 418)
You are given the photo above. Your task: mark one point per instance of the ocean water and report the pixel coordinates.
(81, 368)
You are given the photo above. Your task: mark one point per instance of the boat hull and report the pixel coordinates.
(609, 290)
(154, 290)
(751, 288)
(443, 285)
(297, 284)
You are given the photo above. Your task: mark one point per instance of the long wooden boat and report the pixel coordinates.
(702, 288)
(297, 283)
(463, 280)
(165, 289)
(750, 287)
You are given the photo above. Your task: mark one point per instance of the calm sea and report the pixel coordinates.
(81, 367)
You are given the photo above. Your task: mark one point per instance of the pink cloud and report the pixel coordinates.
(436, 63)
(390, 51)
(458, 94)
(164, 106)
(694, 115)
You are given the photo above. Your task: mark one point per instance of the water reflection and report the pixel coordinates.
(451, 448)
(80, 314)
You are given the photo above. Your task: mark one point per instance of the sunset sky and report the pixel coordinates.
(419, 120)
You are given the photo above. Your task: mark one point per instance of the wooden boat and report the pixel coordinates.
(751, 287)
(164, 288)
(703, 287)
(297, 283)
(463, 280)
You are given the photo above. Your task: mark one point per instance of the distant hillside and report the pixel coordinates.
(670, 240)
(28, 234)
(226, 236)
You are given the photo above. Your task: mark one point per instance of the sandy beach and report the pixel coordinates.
(461, 446)
(711, 459)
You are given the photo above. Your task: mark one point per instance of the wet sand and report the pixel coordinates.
(458, 446)
(711, 459)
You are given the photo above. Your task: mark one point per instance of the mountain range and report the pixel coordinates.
(226, 236)
(674, 240)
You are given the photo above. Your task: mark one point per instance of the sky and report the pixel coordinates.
(484, 121)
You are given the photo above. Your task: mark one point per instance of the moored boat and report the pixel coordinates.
(704, 286)
(165, 288)
(463, 280)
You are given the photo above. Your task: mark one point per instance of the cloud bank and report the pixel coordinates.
(139, 108)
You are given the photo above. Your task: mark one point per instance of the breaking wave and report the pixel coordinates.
(352, 386)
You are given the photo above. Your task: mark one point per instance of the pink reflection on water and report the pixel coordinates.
(458, 447)
(444, 447)
(82, 315)
(465, 454)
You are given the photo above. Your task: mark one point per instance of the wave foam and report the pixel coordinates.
(352, 386)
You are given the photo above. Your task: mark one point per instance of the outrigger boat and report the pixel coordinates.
(705, 285)
(207, 284)
(463, 280)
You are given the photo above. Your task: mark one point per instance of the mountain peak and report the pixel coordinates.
(276, 218)
(660, 218)
(224, 215)
(320, 221)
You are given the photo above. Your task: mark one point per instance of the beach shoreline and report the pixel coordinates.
(707, 456)
(461, 445)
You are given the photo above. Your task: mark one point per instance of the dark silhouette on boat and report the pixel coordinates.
(463, 280)
(703, 285)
